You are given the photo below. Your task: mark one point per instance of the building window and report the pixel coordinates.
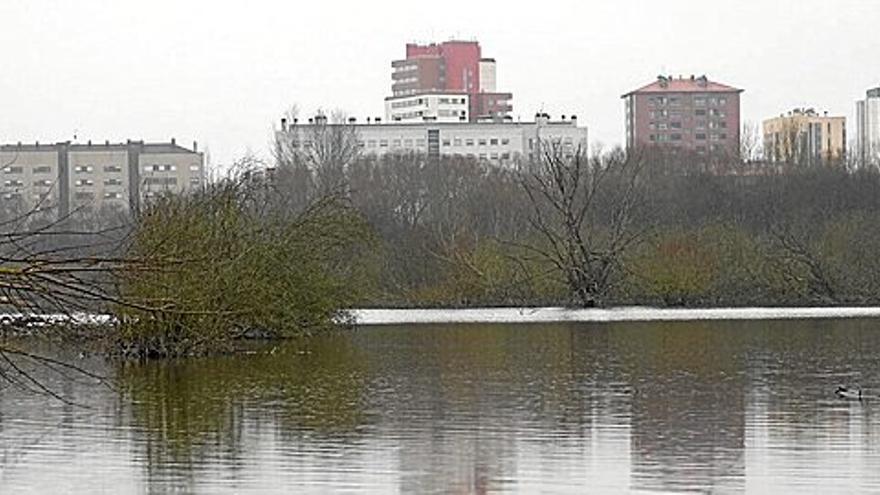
(112, 182)
(457, 141)
(112, 168)
(84, 182)
(675, 137)
(493, 141)
(675, 125)
(12, 170)
(161, 181)
(43, 169)
(84, 195)
(699, 112)
(700, 137)
(396, 143)
(700, 102)
(482, 142)
(383, 143)
(13, 183)
(447, 142)
(157, 168)
(43, 183)
(505, 141)
(469, 142)
(112, 195)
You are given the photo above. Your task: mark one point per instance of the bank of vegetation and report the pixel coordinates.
(281, 249)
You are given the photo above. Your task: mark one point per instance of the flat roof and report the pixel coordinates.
(97, 147)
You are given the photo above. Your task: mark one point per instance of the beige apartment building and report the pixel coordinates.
(67, 177)
(804, 136)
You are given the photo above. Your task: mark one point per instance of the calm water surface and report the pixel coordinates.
(552, 408)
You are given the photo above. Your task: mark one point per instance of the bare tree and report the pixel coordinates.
(584, 210)
(750, 148)
(313, 158)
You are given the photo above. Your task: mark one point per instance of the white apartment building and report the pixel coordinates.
(505, 142)
(868, 128)
(70, 176)
(488, 75)
(433, 107)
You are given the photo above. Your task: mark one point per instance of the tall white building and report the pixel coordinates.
(504, 142)
(868, 128)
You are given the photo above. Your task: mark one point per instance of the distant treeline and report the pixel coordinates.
(611, 228)
(282, 250)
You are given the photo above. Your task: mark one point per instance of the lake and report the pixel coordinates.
(606, 407)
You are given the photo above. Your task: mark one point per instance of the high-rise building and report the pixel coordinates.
(689, 114)
(64, 176)
(868, 128)
(449, 70)
(806, 137)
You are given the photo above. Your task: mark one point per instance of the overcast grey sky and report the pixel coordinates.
(222, 73)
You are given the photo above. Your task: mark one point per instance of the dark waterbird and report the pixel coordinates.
(847, 393)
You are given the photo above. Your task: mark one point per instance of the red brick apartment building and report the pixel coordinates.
(452, 67)
(691, 114)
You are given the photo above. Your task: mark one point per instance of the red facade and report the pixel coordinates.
(451, 66)
(690, 114)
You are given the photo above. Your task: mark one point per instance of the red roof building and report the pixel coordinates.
(690, 114)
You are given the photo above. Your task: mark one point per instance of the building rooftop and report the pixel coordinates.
(169, 147)
(540, 119)
(691, 84)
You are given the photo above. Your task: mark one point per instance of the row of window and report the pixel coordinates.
(679, 137)
(700, 124)
(676, 114)
(483, 156)
(674, 101)
(415, 102)
(420, 143)
(405, 68)
(90, 196)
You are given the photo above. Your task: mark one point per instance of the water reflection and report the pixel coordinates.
(718, 407)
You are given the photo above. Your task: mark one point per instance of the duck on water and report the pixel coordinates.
(848, 393)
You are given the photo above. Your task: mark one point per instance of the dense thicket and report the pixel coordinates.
(612, 228)
(236, 258)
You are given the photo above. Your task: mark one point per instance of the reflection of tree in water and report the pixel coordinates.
(688, 409)
(208, 412)
(476, 397)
